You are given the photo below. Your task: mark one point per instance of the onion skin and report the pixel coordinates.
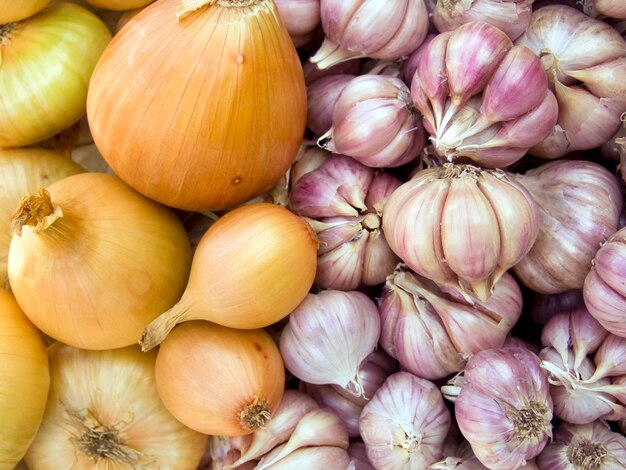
(579, 204)
(24, 381)
(208, 375)
(47, 58)
(11, 11)
(191, 150)
(119, 4)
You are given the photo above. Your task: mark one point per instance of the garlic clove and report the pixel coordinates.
(342, 267)
(333, 232)
(555, 145)
(604, 303)
(378, 260)
(347, 410)
(610, 263)
(610, 358)
(314, 457)
(605, 80)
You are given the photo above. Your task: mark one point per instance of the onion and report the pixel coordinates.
(482, 98)
(81, 275)
(355, 29)
(119, 4)
(328, 337)
(604, 290)
(242, 273)
(461, 226)
(580, 203)
(12, 11)
(432, 334)
(47, 61)
(219, 380)
(216, 129)
(103, 412)
(405, 423)
(510, 16)
(25, 170)
(585, 59)
(24, 381)
(504, 407)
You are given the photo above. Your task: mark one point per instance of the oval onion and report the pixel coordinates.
(250, 269)
(203, 112)
(11, 10)
(96, 261)
(219, 380)
(47, 61)
(119, 4)
(25, 170)
(24, 381)
(104, 413)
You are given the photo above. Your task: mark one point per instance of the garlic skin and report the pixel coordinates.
(322, 94)
(301, 17)
(504, 408)
(482, 98)
(588, 446)
(328, 336)
(542, 307)
(604, 290)
(405, 424)
(343, 201)
(356, 29)
(610, 8)
(375, 122)
(461, 226)
(585, 60)
(510, 16)
(581, 202)
(432, 334)
(95, 422)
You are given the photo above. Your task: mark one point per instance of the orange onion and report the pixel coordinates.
(219, 380)
(200, 105)
(92, 261)
(250, 269)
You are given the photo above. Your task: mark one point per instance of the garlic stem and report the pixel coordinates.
(159, 328)
(587, 455)
(530, 422)
(37, 211)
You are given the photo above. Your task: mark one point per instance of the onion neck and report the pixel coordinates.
(6, 31)
(255, 415)
(156, 332)
(237, 3)
(36, 211)
(587, 455)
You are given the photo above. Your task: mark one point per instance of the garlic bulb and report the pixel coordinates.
(103, 412)
(461, 226)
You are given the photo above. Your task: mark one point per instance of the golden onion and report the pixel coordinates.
(92, 261)
(46, 63)
(201, 112)
(12, 10)
(104, 413)
(24, 381)
(119, 4)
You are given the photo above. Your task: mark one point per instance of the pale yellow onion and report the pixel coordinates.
(201, 112)
(46, 63)
(119, 4)
(25, 170)
(24, 381)
(104, 264)
(17, 10)
(104, 413)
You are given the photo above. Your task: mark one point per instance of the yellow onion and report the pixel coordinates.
(461, 226)
(47, 61)
(203, 111)
(25, 170)
(24, 381)
(92, 262)
(104, 413)
(219, 380)
(119, 4)
(250, 269)
(12, 10)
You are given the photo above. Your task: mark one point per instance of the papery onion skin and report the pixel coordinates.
(103, 270)
(461, 226)
(119, 4)
(218, 380)
(47, 62)
(22, 171)
(504, 408)
(11, 11)
(104, 412)
(24, 381)
(579, 204)
(604, 290)
(404, 425)
(590, 446)
(216, 130)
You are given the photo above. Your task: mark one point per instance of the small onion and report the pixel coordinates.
(219, 380)
(405, 423)
(328, 337)
(579, 204)
(504, 408)
(103, 412)
(92, 261)
(11, 11)
(461, 226)
(604, 287)
(119, 4)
